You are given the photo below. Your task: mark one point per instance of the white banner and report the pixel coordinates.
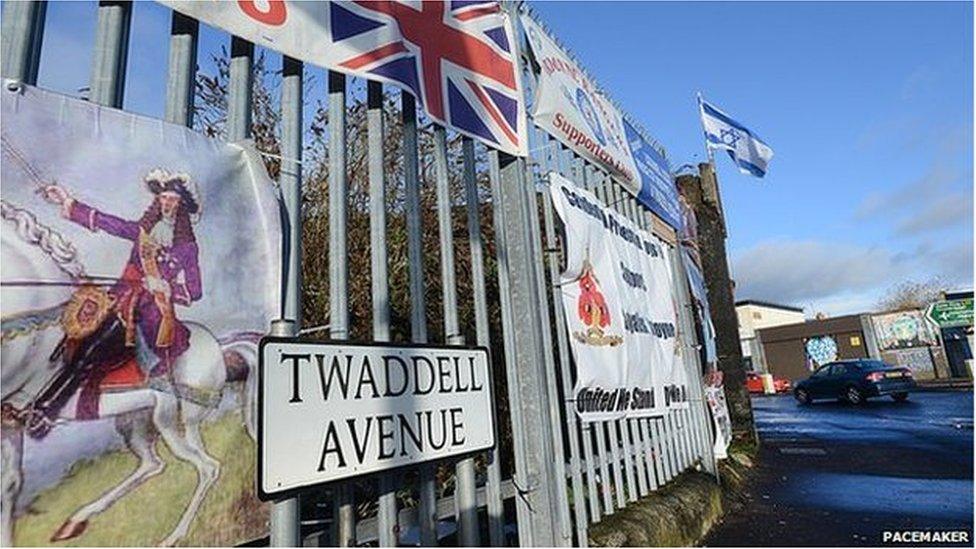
(715, 395)
(336, 410)
(456, 58)
(620, 313)
(140, 267)
(572, 109)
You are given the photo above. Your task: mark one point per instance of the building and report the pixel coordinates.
(958, 341)
(794, 350)
(754, 315)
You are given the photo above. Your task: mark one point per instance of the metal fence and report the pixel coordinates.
(567, 474)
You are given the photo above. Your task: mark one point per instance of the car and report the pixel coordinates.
(856, 381)
(754, 383)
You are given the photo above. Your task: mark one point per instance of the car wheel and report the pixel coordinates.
(899, 397)
(802, 396)
(854, 395)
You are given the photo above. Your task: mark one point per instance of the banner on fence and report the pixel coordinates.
(715, 395)
(140, 267)
(617, 298)
(335, 410)
(457, 58)
(572, 109)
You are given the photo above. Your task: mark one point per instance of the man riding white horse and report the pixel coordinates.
(128, 333)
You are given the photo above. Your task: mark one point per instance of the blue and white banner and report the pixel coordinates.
(744, 147)
(657, 190)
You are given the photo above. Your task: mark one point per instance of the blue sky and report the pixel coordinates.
(868, 106)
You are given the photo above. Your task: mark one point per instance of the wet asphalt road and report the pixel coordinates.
(834, 474)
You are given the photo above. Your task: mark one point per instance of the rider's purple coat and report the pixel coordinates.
(178, 265)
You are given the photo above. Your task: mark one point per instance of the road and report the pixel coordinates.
(834, 474)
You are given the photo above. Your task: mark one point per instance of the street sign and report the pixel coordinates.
(951, 314)
(334, 410)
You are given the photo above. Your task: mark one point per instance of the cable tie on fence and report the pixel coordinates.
(314, 329)
(277, 156)
(522, 493)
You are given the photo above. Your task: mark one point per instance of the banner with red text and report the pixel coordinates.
(571, 108)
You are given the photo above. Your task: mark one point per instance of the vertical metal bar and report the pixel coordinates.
(555, 423)
(107, 84)
(292, 117)
(634, 436)
(285, 526)
(239, 89)
(652, 458)
(621, 425)
(20, 39)
(182, 70)
(465, 496)
(599, 429)
(508, 335)
(658, 427)
(427, 508)
(648, 453)
(378, 263)
(586, 431)
(672, 442)
(345, 513)
(529, 401)
(495, 508)
(562, 342)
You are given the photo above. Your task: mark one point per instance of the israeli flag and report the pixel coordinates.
(745, 148)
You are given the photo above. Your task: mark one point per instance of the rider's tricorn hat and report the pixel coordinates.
(160, 181)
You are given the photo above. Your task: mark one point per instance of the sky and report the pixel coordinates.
(868, 107)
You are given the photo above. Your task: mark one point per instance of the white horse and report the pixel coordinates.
(32, 252)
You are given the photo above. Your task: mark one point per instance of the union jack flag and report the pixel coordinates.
(457, 59)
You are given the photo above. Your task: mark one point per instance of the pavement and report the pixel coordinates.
(833, 474)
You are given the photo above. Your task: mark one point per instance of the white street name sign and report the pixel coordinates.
(334, 410)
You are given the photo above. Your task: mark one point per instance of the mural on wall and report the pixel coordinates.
(820, 351)
(903, 330)
(140, 267)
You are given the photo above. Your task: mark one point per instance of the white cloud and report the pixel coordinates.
(842, 278)
(943, 211)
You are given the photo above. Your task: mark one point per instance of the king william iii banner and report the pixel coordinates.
(456, 58)
(617, 298)
(140, 266)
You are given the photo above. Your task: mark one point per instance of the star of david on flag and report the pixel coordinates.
(456, 58)
(746, 149)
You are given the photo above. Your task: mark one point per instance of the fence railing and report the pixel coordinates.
(566, 474)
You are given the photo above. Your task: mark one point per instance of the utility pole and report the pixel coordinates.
(701, 192)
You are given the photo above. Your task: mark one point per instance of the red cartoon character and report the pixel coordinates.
(593, 310)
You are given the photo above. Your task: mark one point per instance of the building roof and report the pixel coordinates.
(769, 305)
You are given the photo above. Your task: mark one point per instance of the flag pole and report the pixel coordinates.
(701, 118)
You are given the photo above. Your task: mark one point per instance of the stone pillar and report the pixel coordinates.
(701, 193)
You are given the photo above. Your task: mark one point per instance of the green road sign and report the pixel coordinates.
(951, 314)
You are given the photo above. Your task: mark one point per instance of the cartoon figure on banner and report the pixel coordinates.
(120, 336)
(593, 311)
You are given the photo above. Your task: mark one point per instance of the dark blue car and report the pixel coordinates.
(855, 381)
